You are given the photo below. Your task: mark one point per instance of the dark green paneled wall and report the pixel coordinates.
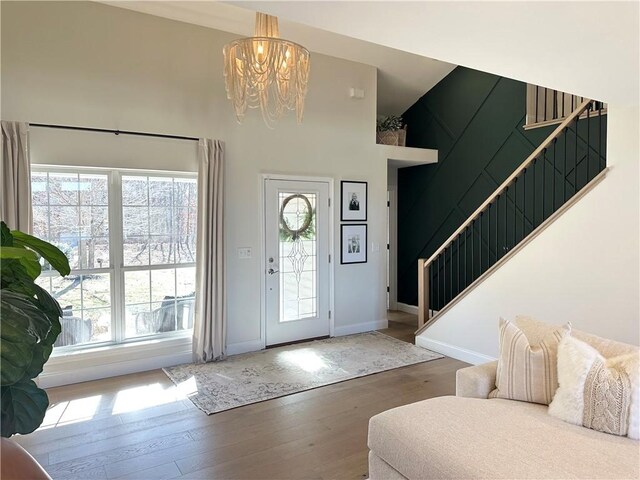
(475, 121)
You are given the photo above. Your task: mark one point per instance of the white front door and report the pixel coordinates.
(297, 260)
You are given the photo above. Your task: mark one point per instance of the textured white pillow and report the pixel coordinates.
(595, 392)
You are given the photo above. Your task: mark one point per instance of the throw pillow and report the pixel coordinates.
(596, 392)
(534, 330)
(527, 372)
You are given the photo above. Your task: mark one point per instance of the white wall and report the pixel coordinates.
(590, 48)
(402, 77)
(584, 268)
(86, 64)
(95, 149)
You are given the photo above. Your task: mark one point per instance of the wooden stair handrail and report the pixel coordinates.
(427, 317)
(555, 134)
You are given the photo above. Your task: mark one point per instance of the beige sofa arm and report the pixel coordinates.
(477, 381)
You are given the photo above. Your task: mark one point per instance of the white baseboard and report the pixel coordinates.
(105, 362)
(245, 347)
(406, 308)
(360, 328)
(453, 351)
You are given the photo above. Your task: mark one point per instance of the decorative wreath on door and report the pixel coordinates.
(305, 230)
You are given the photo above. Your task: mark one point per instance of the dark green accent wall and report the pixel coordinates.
(474, 120)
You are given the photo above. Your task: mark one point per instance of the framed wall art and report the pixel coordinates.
(353, 201)
(353, 243)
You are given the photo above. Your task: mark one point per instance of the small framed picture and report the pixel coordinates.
(353, 247)
(354, 201)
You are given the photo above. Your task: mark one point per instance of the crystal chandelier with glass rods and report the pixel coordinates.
(266, 71)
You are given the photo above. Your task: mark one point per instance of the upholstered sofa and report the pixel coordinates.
(471, 436)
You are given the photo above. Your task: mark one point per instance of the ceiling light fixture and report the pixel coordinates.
(266, 71)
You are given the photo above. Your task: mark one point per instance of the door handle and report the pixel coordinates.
(271, 271)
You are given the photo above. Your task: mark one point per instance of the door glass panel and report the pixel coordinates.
(297, 251)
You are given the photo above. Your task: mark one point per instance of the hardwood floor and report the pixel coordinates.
(142, 427)
(401, 326)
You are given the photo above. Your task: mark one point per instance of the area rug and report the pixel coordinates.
(254, 377)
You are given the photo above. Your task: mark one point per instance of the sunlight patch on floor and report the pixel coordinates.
(73, 411)
(126, 400)
(146, 396)
(53, 415)
(188, 387)
(306, 359)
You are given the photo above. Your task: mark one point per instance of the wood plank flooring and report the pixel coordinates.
(142, 427)
(401, 326)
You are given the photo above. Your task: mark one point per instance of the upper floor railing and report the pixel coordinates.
(546, 106)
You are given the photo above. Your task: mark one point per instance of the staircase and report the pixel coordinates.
(566, 165)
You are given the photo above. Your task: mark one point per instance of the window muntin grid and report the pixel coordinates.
(81, 211)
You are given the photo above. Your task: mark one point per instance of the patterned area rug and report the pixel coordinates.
(254, 377)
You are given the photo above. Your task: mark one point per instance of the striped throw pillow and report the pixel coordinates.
(527, 372)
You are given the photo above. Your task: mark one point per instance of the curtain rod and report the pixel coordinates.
(115, 132)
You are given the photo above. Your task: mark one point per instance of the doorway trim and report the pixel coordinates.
(392, 250)
(263, 244)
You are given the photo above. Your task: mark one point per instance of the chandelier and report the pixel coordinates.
(266, 71)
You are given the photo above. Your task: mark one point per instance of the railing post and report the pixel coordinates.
(423, 292)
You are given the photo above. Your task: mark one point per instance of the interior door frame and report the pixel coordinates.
(392, 249)
(263, 246)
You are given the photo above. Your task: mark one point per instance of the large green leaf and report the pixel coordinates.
(16, 279)
(27, 258)
(42, 350)
(16, 354)
(17, 337)
(40, 354)
(50, 253)
(29, 326)
(17, 253)
(6, 240)
(23, 407)
(47, 303)
(14, 275)
(20, 310)
(51, 308)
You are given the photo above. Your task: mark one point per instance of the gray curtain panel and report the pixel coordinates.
(209, 329)
(15, 176)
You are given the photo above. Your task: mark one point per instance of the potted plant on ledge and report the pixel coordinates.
(390, 131)
(29, 326)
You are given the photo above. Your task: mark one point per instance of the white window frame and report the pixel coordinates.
(116, 266)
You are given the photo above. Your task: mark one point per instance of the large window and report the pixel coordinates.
(130, 238)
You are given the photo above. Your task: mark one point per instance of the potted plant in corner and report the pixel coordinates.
(389, 131)
(29, 326)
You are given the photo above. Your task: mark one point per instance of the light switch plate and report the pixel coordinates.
(244, 252)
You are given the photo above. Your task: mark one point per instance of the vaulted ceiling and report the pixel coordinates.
(402, 77)
(590, 48)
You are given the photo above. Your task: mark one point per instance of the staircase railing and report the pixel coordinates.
(546, 106)
(569, 159)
